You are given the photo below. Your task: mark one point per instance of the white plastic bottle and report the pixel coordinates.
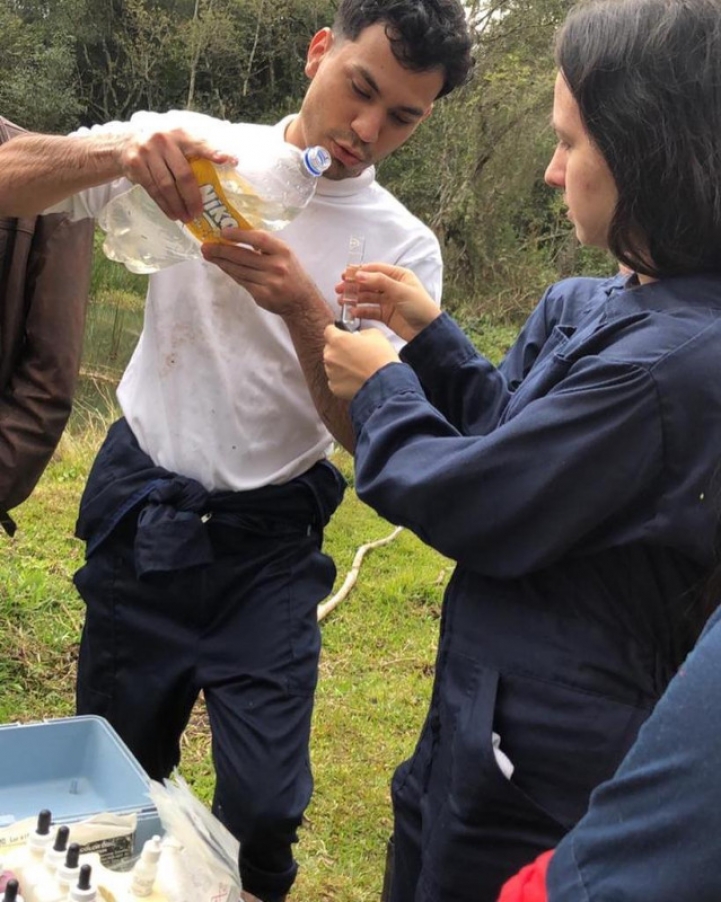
(173, 881)
(55, 854)
(47, 888)
(68, 872)
(41, 837)
(84, 890)
(142, 877)
(269, 188)
(31, 869)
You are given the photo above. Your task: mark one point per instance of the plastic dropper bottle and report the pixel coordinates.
(12, 892)
(55, 854)
(173, 881)
(5, 876)
(83, 890)
(68, 872)
(145, 869)
(40, 839)
(48, 888)
(32, 870)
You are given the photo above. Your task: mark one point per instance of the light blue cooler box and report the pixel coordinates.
(75, 767)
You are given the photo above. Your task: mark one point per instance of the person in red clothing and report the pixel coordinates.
(529, 884)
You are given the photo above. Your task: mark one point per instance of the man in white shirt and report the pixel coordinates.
(204, 511)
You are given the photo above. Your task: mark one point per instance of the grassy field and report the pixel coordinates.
(379, 643)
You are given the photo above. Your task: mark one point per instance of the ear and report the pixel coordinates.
(426, 114)
(318, 48)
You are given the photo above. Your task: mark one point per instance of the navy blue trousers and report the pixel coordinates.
(243, 629)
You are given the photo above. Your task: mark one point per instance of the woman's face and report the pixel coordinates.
(578, 169)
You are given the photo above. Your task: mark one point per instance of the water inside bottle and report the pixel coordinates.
(263, 214)
(260, 213)
(139, 235)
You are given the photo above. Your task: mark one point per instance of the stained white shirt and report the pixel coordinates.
(214, 389)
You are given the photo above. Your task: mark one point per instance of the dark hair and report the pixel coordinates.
(646, 75)
(424, 34)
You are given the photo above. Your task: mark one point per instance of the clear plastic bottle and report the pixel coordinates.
(267, 190)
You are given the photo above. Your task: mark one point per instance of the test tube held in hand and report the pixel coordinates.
(356, 247)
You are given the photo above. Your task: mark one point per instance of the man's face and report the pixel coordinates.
(578, 169)
(361, 103)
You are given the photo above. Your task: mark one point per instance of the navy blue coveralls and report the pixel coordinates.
(187, 590)
(575, 487)
(653, 832)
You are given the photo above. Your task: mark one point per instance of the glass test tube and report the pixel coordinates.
(356, 247)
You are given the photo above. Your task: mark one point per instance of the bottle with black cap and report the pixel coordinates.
(50, 889)
(32, 870)
(55, 854)
(41, 838)
(84, 890)
(12, 892)
(68, 872)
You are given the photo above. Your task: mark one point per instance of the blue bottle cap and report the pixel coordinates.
(316, 159)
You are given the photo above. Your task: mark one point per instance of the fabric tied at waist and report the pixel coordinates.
(172, 510)
(171, 531)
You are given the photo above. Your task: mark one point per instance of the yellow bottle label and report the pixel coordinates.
(218, 212)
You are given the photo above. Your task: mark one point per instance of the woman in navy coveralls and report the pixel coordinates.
(575, 484)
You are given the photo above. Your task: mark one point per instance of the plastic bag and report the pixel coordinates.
(204, 863)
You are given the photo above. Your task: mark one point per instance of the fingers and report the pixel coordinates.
(250, 249)
(351, 358)
(261, 241)
(396, 273)
(160, 163)
(242, 263)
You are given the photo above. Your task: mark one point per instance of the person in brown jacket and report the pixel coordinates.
(44, 282)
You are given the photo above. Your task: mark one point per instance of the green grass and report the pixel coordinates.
(379, 644)
(376, 669)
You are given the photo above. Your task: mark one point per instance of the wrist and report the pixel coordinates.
(421, 322)
(104, 156)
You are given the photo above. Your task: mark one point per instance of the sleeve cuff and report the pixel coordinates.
(442, 343)
(390, 380)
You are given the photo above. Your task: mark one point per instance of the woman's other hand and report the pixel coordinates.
(351, 358)
(393, 296)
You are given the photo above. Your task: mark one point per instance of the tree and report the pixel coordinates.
(38, 83)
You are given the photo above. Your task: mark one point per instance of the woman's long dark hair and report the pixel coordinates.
(646, 75)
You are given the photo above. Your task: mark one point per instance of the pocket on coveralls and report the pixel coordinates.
(479, 790)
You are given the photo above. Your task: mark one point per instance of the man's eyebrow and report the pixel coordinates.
(373, 85)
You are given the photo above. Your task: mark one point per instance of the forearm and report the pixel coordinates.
(508, 503)
(465, 387)
(306, 325)
(41, 170)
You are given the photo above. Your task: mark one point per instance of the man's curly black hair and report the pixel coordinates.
(424, 34)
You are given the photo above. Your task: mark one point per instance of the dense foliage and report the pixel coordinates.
(474, 171)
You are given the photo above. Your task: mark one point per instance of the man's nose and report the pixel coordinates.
(367, 125)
